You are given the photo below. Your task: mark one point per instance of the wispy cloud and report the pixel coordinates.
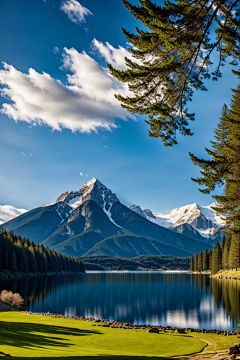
(23, 153)
(87, 103)
(81, 174)
(75, 11)
(56, 50)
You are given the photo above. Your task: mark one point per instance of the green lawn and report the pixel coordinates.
(229, 273)
(32, 336)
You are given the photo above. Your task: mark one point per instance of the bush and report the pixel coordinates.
(6, 296)
(14, 299)
(17, 301)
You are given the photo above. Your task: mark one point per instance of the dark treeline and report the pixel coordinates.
(223, 257)
(153, 262)
(19, 254)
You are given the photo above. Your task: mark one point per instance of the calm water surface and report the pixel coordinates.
(156, 298)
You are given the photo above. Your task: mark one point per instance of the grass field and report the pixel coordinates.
(229, 273)
(33, 336)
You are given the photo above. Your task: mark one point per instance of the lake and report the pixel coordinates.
(141, 297)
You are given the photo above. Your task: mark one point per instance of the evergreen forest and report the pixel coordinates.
(18, 254)
(223, 257)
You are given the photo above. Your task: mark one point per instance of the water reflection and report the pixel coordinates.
(175, 299)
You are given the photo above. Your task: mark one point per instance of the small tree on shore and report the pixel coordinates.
(15, 300)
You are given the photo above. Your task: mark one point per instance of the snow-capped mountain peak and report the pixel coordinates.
(202, 218)
(92, 190)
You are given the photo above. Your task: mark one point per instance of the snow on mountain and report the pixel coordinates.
(92, 190)
(202, 218)
(187, 214)
(8, 212)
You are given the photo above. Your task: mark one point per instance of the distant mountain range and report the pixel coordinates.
(191, 220)
(92, 221)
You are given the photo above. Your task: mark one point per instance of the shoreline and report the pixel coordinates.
(128, 325)
(224, 277)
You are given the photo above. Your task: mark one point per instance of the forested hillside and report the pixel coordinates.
(17, 254)
(149, 262)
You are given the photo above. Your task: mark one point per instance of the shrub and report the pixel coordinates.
(6, 296)
(14, 299)
(17, 301)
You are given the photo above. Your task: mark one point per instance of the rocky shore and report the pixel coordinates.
(128, 325)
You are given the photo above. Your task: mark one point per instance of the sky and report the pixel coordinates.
(60, 124)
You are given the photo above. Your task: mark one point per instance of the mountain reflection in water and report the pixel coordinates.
(174, 299)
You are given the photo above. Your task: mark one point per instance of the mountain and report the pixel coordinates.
(8, 212)
(199, 222)
(94, 221)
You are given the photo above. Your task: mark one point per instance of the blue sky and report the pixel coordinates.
(68, 127)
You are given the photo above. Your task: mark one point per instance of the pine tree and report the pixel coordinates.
(192, 264)
(224, 169)
(196, 263)
(39, 258)
(13, 262)
(213, 171)
(205, 260)
(225, 255)
(45, 263)
(210, 260)
(33, 267)
(200, 262)
(234, 253)
(171, 55)
(216, 258)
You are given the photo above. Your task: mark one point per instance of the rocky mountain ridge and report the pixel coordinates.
(190, 220)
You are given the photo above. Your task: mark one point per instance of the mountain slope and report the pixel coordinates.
(87, 217)
(80, 244)
(130, 246)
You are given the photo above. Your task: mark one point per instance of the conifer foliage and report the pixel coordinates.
(18, 254)
(173, 56)
(221, 258)
(224, 169)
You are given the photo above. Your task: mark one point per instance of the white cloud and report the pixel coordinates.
(8, 212)
(112, 55)
(86, 174)
(85, 104)
(56, 50)
(105, 146)
(81, 174)
(23, 153)
(75, 11)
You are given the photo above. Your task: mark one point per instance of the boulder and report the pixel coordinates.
(233, 350)
(153, 330)
(180, 331)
